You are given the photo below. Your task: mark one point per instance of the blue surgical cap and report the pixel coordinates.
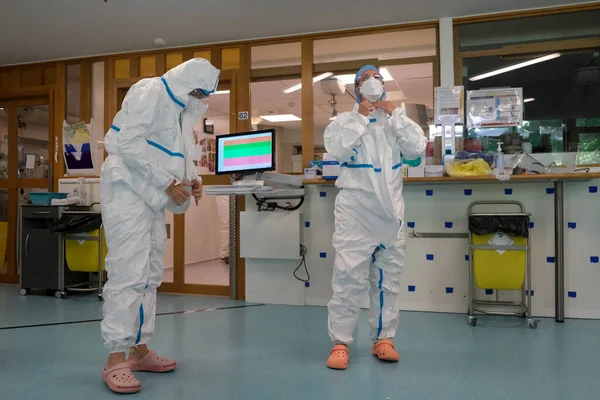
(357, 77)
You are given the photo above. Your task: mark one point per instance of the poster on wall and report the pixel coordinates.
(204, 153)
(77, 149)
(495, 108)
(449, 104)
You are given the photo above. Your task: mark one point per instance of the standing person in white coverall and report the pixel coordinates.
(369, 215)
(149, 168)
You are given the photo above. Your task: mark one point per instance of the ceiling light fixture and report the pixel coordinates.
(515, 66)
(281, 118)
(529, 100)
(315, 80)
(222, 92)
(348, 79)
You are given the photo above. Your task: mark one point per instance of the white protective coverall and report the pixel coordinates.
(223, 213)
(150, 145)
(369, 210)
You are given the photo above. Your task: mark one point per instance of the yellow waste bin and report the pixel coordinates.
(493, 270)
(82, 256)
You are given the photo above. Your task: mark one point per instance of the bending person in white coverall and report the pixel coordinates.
(149, 168)
(369, 230)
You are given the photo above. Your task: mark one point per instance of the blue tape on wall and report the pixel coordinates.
(466, 257)
(468, 192)
(508, 191)
(532, 293)
(412, 288)
(429, 257)
(307, 224)
(429, 192)
(323, 194)
(594, 259)
(411, 225)
(449, 290)
(323, 255)
(572, 295)
(549, 259)
(489, 292)
(306, 284)
(572, 225)
(448, 225)
(549, 190)
(593, 189)
(531, 225)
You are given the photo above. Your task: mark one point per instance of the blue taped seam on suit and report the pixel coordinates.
(154, 144)
(171, 95)
(139, 335)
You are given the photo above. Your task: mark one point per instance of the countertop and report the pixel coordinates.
(485, 178)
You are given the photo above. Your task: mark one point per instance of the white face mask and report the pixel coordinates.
(372, 90)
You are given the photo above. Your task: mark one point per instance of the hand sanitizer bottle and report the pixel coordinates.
(499, 160)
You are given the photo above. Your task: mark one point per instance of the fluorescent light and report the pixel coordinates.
(385, 74)
(280, 118)
(315, 80)
(348, 79)
(515, 66)
(222, 92)
(529, 100)
(332, 118)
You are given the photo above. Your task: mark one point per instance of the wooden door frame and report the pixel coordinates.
(11, 102)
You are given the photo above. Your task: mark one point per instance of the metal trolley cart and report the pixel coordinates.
(500, 258)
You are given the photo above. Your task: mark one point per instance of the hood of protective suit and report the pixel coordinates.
(196, 73)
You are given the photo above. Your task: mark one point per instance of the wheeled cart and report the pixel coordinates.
(499, 258)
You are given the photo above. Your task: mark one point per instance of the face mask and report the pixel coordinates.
(372, 90)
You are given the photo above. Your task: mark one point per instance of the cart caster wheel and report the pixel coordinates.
(60, 295)
(472, 321)
(24, 292)
(533, 324)
(100, 298)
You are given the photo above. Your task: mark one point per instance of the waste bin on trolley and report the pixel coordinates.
(500, 258)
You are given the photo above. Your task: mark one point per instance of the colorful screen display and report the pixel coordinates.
(245, 152)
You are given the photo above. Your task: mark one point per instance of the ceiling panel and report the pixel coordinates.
(37, 30)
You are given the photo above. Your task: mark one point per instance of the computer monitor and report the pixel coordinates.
(246, 152)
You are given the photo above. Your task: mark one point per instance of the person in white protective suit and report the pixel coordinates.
(149, 168)
(369, 228)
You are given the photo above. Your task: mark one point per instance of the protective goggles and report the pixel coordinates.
(200, 94)
(365, 78)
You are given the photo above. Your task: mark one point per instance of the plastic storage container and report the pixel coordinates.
(331, 167)
(45, 198)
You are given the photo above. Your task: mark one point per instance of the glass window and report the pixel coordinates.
(407, 84)
(562, 103)
(276, 98)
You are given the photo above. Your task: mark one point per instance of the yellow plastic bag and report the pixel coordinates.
(473, 167)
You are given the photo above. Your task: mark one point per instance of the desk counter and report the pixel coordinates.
(435, 277)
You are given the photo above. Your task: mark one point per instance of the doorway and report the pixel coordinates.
(197, 256)
(26, 165)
